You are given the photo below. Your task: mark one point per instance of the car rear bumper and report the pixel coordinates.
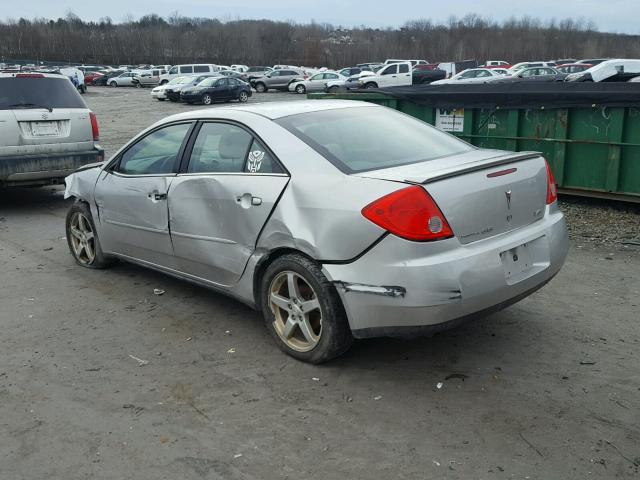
(44, 169)
(403, 288)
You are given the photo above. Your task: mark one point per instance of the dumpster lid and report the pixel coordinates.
(519, 95)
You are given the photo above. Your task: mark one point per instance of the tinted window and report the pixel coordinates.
(318, 76)
(234, 82)
(275, 73)
(368, 138)
(200, 68)
(188, 69)
(207, 82)
(222, 82)
(38, 92)
(156, 153)
(330, 76)
(390, 70)
(483, 73)
(404, 68)
(220, 147)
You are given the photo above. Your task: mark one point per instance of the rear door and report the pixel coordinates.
(220, 201)
(132, 196)
(404, 74)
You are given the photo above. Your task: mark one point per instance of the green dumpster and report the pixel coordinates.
(593, 150)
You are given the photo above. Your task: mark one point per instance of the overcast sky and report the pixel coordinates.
(609, 15)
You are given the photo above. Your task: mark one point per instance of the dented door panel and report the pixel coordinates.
(215, 221)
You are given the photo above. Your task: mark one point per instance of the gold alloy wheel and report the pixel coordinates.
(297, 312)
(82, 238)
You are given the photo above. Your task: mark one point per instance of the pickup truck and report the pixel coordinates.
(400, 74)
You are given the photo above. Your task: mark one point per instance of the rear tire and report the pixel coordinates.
(371, 85)
(301, 89)
(163, 82)
(82, 237)
(206, 99)
(243, 97)
(308, 323)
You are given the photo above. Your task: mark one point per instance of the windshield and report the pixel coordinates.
(37, 92)
(368, 138)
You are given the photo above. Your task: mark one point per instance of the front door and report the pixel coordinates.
(220, 201)
(132, 196)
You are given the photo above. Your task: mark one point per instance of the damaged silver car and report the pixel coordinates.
(336, 219)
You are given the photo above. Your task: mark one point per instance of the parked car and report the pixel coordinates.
(104, 79)
(188, 69)
(496, 64)
(240, 68)
(123, 80)
(351, 83)
(420, 76)
(46, 129)
(315, 83)
(150, 78)
(573, 67)
(615, 70)
(593, 61)
(234, 74)
(160, 92)
(522, 65)
(257, 72)
(533, 74)
(394, 250)
(277, 80)
(389, 61)
(172, 92)
(392, 75)
(90, 76)
(453, 68)
(76, 76)
(216, 89)
(349, 71)
(472, 75)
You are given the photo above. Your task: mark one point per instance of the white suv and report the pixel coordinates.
(46, 129)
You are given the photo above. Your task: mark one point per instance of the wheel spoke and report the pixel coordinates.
(89, 236)
(77, 247)
(279, 301)
(307, 331)
(89, 251)
(292, 283)
(310, 305)
(75, 232)
(289, 327)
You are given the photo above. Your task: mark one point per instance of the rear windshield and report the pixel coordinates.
(364, 138)
(38, 92)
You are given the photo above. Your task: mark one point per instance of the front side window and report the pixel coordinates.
(155, 154)
(330, 76)
(369, 138)
(390, 70)
(173, 70)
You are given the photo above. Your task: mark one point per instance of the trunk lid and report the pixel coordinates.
(481, 193)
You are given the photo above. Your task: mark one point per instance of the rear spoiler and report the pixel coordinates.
(474, 167)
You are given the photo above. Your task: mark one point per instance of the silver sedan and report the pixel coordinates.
(336, 219)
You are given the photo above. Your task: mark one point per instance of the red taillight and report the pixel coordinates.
(552, 189)
(94, 126)
(409, 213)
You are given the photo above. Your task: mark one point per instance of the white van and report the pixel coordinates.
(188, 69)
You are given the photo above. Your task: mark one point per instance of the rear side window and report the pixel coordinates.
(38, 92)
(155, 154)
(227, 148)
(404, 68)
(188, 69)
(369, 138)
(200, 68)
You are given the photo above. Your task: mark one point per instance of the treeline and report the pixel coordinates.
(178, 39)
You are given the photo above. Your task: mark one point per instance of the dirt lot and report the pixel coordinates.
(548, 389)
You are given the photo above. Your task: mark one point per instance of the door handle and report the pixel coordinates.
(247, 200)
(256, 201)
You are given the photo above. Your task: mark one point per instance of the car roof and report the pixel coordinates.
(274, 110)
(31, 74)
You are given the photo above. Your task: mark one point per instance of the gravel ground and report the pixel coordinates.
(547, 389)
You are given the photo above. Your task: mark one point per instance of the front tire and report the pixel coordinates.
(303, 311)
(164, 82)
(113, 84)
(206, 99)
(82, 237)
(261, 87)
(371, 85)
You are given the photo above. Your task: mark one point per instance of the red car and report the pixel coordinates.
(89, 77)
(573, 67)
